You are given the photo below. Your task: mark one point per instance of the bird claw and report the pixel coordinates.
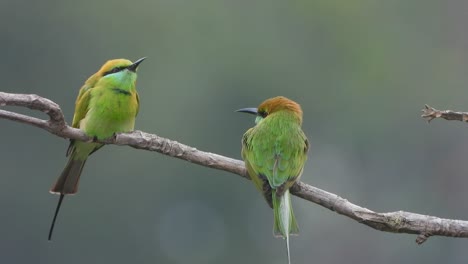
(422, 238)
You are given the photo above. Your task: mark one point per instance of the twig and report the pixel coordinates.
(396, 222)
(429, 113)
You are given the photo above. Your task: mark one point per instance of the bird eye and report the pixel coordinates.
(262, 113)
(114, 70)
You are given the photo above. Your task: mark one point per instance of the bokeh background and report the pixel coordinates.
(361, 70)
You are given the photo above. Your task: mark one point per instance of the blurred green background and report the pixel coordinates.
(361, 70)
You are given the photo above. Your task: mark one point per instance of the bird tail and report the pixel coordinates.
(67, 183)
(285, 222)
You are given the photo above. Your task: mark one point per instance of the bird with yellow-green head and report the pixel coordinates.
(106, 104)
(274, 152)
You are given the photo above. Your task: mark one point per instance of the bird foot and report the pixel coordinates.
(422, 238)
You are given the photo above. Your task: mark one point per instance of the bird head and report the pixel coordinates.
(116, 71)
(275, 105)
(114, 67)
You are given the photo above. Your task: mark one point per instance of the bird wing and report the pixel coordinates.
(138, 103)
(260, 182)
(81, 108)
(248, 155)
(278, 158)
(81, 105)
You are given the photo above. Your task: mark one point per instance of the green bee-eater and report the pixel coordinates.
(275, 151)
(106, 104)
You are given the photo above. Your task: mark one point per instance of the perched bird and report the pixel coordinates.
(274, 152)
(107, 104)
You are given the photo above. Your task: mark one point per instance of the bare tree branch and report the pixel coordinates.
(429, 113)
(397, 222)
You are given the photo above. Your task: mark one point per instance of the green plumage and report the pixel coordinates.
(275, 151)
(106, 104)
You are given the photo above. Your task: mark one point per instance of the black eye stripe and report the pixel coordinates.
(262, 114)
(114, 70)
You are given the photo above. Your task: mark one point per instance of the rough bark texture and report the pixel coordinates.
(429, 113)
(397, 222)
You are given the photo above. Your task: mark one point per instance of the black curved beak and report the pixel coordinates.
(249, 110)
(134, 66)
